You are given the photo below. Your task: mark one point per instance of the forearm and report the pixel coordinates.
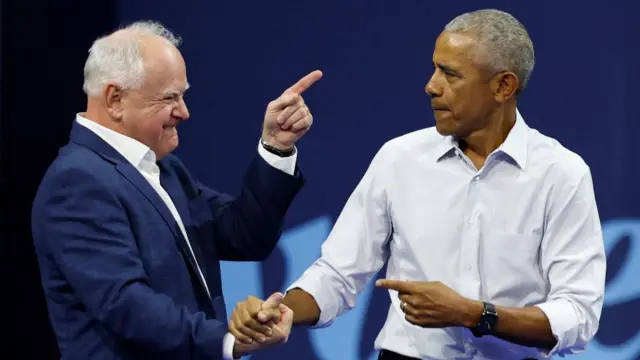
(304, 306)
(527, 326)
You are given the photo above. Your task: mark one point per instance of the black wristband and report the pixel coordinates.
(276, 151)
(487, 322)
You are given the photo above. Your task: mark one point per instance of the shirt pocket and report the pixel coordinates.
(510, 268)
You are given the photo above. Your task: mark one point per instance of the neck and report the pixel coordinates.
(96, 113)
(484, 141)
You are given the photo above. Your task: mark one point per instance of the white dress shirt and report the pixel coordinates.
(522, 231)
(144, 159)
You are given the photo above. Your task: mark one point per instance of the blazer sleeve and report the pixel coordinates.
(84, 228)
(248, 227)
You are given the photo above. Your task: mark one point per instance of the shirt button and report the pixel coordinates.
(476, 178)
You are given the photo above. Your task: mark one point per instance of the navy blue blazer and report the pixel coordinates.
(119, 279)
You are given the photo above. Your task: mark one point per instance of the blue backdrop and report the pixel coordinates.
(376, 56)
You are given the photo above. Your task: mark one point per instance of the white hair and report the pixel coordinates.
(117, 57)
(504, 39)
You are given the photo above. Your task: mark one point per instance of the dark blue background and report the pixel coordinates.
(376, 56)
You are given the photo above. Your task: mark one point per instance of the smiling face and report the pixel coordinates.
(462, 93)
(151, 113)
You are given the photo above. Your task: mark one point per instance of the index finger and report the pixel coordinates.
(402, 286)
(303, 84)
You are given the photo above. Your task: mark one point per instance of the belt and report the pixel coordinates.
(390, 355)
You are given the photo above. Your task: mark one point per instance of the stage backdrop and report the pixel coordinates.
(376, 56)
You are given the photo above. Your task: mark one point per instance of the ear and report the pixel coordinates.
(113, 100)
(504, 86)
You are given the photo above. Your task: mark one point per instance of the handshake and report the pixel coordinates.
(257, 324)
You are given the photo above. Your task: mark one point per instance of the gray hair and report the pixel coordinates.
(117, 57)
(504, 39)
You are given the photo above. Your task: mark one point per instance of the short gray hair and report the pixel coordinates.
(117, 57)
(505, 40)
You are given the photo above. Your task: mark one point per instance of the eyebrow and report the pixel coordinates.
(174, 92)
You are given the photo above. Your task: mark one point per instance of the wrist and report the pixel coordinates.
(239, 350)
(472, 313)
(278, 150)
(270, 142)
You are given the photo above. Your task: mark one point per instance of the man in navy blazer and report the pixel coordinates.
(128, 242)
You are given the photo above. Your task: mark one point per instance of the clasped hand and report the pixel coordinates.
(256, 324)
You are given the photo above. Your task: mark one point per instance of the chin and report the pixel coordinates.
(445, 129)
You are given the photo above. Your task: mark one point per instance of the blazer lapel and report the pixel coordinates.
(133, 175)
(172, 186)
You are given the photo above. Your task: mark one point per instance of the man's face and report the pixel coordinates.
(460, 91)
(152, 113)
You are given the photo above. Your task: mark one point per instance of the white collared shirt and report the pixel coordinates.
(521, 231)
(144, 160)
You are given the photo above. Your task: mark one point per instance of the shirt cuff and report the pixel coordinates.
(285, 164)
(563, 320)
(227, 347)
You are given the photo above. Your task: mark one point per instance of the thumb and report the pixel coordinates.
(270, 310)
(273, 301)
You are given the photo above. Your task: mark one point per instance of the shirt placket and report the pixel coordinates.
(470, 244)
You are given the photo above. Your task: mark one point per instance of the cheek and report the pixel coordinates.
(159, 117)
(463, 98)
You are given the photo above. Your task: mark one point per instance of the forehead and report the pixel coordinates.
(455, 49)
(164, 68)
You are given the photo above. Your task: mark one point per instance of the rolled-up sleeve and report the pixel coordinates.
(355, 249)
(574, 264)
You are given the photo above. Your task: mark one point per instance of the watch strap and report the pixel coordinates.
(488, 320)
(274, 150)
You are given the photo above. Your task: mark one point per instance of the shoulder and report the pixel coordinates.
(414, 144)
(549, 156)
(77, 163)
(74, 172)
(422, 139)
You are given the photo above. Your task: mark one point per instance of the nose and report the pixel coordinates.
(181, 110)
(432, 88)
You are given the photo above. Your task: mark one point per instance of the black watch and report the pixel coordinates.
(274, 150)
(488, 321)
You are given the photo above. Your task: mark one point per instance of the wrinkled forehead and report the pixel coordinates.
(164, 68)
(459, 50)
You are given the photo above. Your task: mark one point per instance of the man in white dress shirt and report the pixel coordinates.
(490, 229)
